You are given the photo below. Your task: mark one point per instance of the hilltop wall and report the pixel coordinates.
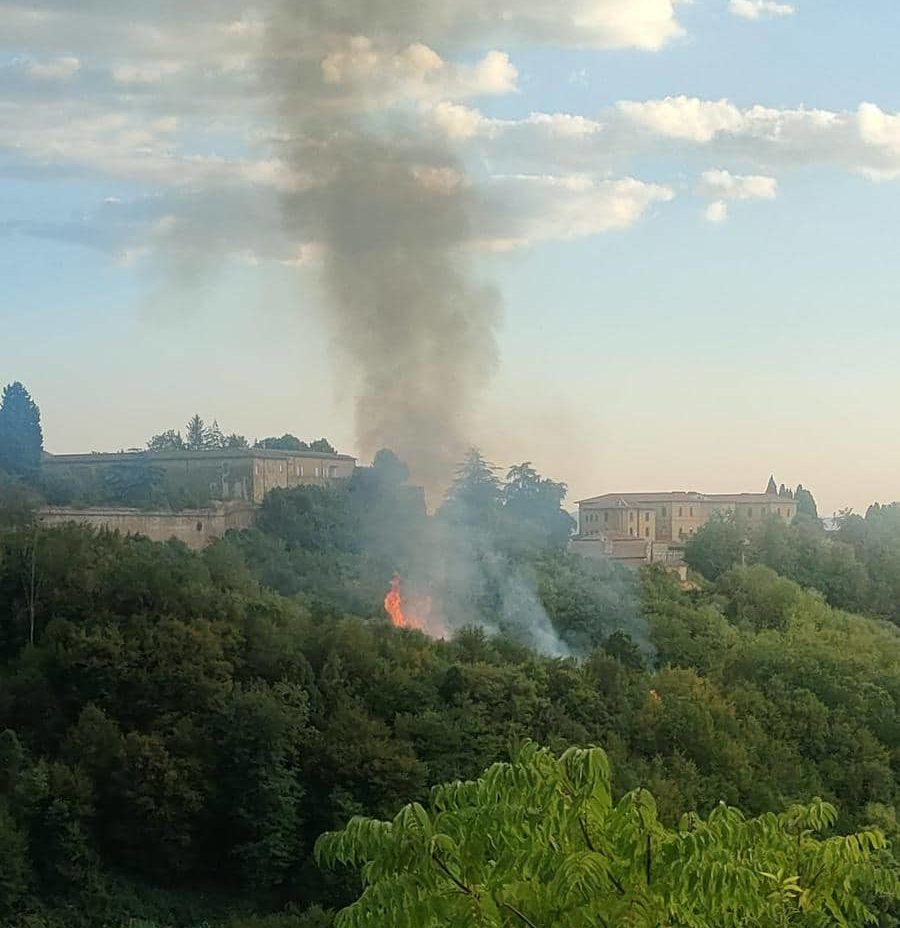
(195, 527)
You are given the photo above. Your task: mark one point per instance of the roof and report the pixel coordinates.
(630, 500)
(124, 457)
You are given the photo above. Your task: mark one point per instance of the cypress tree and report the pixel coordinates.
(21, 438)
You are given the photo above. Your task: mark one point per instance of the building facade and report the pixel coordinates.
(232, 475)
(196, 528)
(619, 525)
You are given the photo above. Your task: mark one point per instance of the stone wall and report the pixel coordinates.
(195, 527)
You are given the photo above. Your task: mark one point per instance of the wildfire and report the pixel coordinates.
(403, 613)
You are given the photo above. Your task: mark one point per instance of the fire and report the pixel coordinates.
(403, 613)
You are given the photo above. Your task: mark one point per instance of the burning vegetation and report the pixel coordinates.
(408, 612)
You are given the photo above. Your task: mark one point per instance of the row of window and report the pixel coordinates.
(299, 471)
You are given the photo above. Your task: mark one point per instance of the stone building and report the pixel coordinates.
(653, 527)
(194, 527)
(230, 475)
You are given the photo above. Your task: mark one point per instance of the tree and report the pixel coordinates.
(806, 504)
(287, 442)
(166, 441)
(388, 469)
(539, 842)
(214, 437)
(772, 487)
(322, 446)
(18, 503)
(474, 497)
(196, 434)
(532, 508)
(717, 545)
(21, 438)
(235, 441)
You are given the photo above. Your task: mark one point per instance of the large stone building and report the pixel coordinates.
(200, 477)
(194, 496)
(653, 527)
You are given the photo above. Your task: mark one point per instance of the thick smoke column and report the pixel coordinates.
(392, 211)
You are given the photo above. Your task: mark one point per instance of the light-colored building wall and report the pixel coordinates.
(227, 475)
(667, 519)
(195, 527)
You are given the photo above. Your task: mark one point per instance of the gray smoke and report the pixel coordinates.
(391, 209)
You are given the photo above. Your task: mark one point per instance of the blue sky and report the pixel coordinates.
(699, 288)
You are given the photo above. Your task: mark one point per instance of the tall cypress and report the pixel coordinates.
(21, 438)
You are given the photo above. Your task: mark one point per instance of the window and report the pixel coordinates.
(332, 471)
(691, 511)
(665, 512)
(680, 511)
(631, 516)
(631, 533)
(749, 513)
(646, 533)
(646, 516)
(779, 511)
(606, 517)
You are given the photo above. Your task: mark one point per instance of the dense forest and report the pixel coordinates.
(220, 738)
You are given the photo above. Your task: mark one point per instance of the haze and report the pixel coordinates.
(681, 221)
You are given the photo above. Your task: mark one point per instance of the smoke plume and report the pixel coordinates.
(390, 210)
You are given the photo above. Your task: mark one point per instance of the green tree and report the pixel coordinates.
(540, 842)
(235, 441)
(323, 446)
(287, 442)
(474, 497)
(18, 503)
(166, 441)
(196, 434)
(806, 504)
(214, 437)
(717, 546)
(532, 508)
(21, 438)
(758, 597)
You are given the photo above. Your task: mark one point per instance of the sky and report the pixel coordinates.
(688, 212)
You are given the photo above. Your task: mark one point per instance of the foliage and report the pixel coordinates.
(806, 503)
(289, 442)
(18, 502)
(21, 438)
(856, 568)
(197, 437)
(540, 841)
(177, 723)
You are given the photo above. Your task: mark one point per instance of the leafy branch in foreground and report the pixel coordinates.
(538, 842)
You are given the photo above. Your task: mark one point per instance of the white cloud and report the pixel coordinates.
(866, 141)
(723, 185)
(366, 75)
(145, 72)
(457, 121)
(544, 208)
(54, 69)
(684, 117)
(760, 9)
(717, 211)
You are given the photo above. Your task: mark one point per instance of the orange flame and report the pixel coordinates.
(402, 613)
